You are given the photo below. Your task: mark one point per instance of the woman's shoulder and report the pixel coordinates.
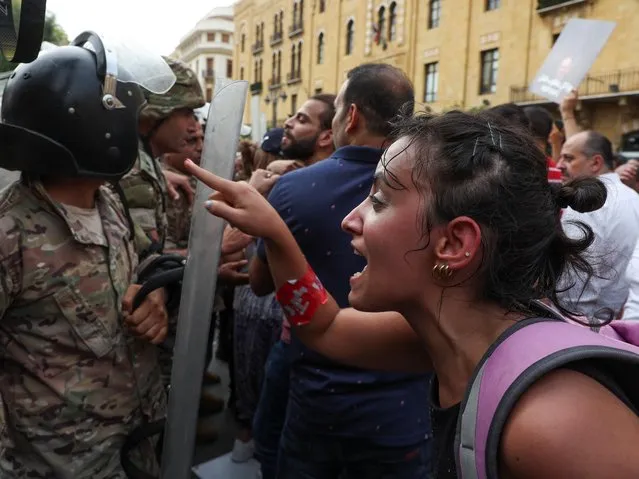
(569, 425)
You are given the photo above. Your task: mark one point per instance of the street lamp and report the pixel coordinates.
(275, 96)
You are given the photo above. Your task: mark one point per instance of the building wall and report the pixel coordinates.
(211, 38)
(523, 35)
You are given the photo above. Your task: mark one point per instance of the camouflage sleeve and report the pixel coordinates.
(140, 197)
(178, 214)
(170, 244)
(10, 263)
(142, 241)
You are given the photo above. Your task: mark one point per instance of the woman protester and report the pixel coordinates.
(462, 238)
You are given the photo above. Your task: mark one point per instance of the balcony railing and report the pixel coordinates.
(208, 74)
(256, 88)
(544, 6)
(275, 83)
(296, 29)
(614, 82)
(258, 47)
(293, 77)
(276, 38)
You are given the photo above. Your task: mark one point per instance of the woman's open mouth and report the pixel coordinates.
(357, 275)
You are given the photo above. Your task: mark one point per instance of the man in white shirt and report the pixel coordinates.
(615, 225)
(631, 308)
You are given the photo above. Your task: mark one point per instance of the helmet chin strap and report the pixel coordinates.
(109, 98)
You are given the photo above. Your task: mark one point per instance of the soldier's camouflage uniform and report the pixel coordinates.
(145, 191)
(73, 382)
(178, 214)
(149, 204)
(145, 185)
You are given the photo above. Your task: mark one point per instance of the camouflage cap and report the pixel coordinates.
(185, 93)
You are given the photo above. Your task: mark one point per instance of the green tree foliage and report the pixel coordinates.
(6, 65)
(53, 33)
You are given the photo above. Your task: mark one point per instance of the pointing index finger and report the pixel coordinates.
(209, 179)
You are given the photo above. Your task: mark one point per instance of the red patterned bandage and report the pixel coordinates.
(300, 298)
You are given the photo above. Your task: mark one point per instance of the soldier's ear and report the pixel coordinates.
(145, 125)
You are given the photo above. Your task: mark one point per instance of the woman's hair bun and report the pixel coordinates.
(582, 195)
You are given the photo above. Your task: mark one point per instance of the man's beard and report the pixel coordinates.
(300, 149)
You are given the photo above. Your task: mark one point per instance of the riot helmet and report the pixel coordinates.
(74, 110)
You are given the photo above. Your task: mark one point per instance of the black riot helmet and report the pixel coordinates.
(73, 112)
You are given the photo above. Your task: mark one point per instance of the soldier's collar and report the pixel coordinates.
(79, 232)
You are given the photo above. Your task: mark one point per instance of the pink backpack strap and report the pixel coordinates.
(523, 354)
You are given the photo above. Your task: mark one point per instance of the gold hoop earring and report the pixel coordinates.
(442, 272)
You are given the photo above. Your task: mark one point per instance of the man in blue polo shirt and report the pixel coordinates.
(341, 420)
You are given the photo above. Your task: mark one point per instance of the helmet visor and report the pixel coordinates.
(132, 63)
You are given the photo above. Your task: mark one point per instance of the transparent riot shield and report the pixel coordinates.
(198, 286)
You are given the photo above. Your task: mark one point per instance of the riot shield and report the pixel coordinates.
(198, 286)
(21, 29)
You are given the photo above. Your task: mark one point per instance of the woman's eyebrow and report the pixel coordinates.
(380, 175)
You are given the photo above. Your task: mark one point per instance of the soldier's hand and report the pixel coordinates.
(263, 180)
(150, 320)
(234, 240)
(175, 182)
(231, 275)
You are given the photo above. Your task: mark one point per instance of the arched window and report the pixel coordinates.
(276, 23)
(281, 22)
(256, 72)
(262, 32)
(293, 59)
(241, 73)
(295, 13)
(320, 49)
(257, 34)
(322, 6)
(259, 78)
(243, 41)
(392, 22)
(350, 37)
(301, 12)
(381, 21)
(299, 60)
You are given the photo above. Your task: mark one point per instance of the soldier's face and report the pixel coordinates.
(193, 141)
(179, 133)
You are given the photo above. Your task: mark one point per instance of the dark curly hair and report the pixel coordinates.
(470, 165)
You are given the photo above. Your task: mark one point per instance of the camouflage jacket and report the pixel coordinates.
(73, 382)
(146, 195)
(178, 214)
